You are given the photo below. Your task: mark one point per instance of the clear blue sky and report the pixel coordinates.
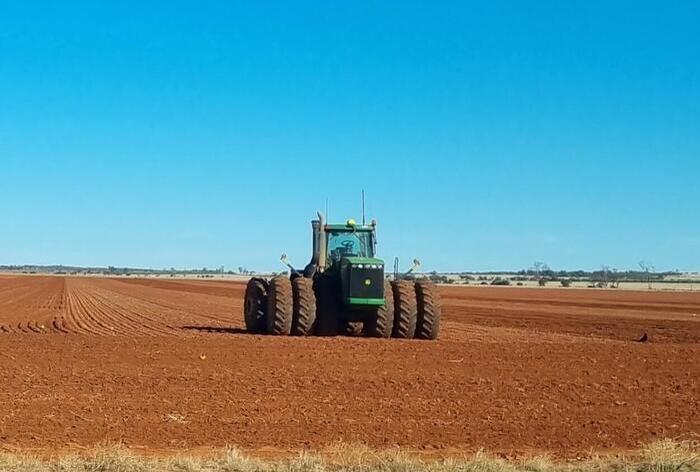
(487, 135)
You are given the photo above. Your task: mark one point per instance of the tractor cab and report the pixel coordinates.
(334, 243)
(349, 240)
(347, 254)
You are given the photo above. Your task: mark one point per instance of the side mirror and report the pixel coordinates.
(285, 261)
(416, 264)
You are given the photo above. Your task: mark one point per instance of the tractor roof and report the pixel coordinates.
(348, 228)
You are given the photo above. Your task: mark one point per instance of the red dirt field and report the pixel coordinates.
(161, 365)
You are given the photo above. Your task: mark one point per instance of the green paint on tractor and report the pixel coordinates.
(366, 301)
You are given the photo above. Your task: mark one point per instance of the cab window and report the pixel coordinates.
(349, 244)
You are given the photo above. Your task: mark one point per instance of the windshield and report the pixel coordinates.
(348, 244)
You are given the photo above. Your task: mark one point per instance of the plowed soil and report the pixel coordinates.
(161, 365)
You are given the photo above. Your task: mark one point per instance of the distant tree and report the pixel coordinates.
(541, 269)
(615, 278)
(500, 281)
(604, 272)
(439, 279)
(648, 269)
(537, 267)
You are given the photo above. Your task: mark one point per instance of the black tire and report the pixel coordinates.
(405, 309)
(352, 328)
(381, 322)
(327, 307)
(304, 306)
(255, 305)
(279, 306)
(429, 310)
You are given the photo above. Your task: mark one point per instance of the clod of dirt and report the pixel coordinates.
(643, 339)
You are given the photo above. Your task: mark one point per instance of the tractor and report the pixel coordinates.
(343, 290)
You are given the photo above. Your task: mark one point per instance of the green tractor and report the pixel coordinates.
(343, 290)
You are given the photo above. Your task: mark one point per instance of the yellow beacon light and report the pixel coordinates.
(351, 222)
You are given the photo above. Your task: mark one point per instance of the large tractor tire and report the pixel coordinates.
(255, 305)
(405, 309)
(304, 306)
(429, 310)
(279, 306)
(327, 307)
(381, 322)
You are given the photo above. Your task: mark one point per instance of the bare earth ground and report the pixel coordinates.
(165, 365)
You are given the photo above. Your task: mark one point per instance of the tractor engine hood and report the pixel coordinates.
(362, 281)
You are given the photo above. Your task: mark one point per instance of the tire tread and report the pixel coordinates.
(429, 310)
(255, 305)
(304, 306)
(405, 309)
(279, 306)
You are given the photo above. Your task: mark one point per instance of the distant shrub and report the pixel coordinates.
(500, 281)
(542, 282)
(519, 284)
(440, 279)
(565, 282)
(484, 283)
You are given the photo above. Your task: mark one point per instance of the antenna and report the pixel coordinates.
(327, 215)
(363, 207)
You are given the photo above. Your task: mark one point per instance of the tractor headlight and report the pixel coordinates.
(360, 266)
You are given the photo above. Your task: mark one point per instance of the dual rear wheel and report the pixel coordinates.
(279, 306)
(417, 309)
